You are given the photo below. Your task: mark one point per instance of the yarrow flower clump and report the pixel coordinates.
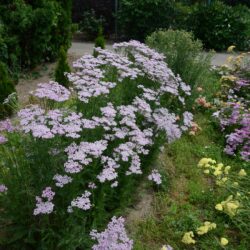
(188, 238)
(52, 91)
(223, 241)
(100, 137)
(208, 226)
(62, 180)
(3, 188)
(155, 177)
(5, 126)
(45, 207)
(113, 237)
(82, 202)
(230, 206)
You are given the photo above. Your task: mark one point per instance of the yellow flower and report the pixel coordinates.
(206, 162)
(235, 184)
(223, 241)
(242, 172)
(202, 230)
(220, 166)
(207, 227)
(230, 48)
(219, 207)
(188, 238)
(210, 225)
(164, 247)
(206, 171)
(221, 181)
(224, 179)
(229, 206)
(217, 172)
(226, 170)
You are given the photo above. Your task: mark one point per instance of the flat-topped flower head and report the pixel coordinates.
(155, 177)
(113, 237)
(3, 188)
(52, 91)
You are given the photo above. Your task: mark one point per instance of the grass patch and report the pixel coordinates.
(189, 197)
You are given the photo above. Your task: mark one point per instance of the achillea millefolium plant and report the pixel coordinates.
(74, 161)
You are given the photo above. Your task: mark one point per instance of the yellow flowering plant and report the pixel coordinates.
(230, 206)
(235, 186)
(223, 241)
(208, 226)
(188, 238)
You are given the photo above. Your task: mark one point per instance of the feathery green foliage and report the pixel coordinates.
(62, 68)
(6, 88)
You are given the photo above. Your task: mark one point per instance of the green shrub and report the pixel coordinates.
(137, 19)
(3, 46)
(35, 30)
(183, 54)
(100, 40)
(6, 88)
(91, 23)
(61, 68)
(220, 26)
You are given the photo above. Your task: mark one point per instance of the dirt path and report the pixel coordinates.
(45, 72)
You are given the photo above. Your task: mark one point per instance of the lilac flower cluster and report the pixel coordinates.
(52, 91)
(120, 123)
(128, 131)
(80, 155)
(234, 118)
(155, 177)
(82, 202)
(47, 125)
(62, 180)
(89, 78)
(113, 237)
(5, 126)
(153, 65)
(45, 207)
(3, 188)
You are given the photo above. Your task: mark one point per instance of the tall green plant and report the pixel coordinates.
(100, 40)
(6, 88)
(35, 30)
(185, 56)
(62, 67)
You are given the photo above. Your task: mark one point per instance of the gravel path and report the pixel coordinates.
(45, 74)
